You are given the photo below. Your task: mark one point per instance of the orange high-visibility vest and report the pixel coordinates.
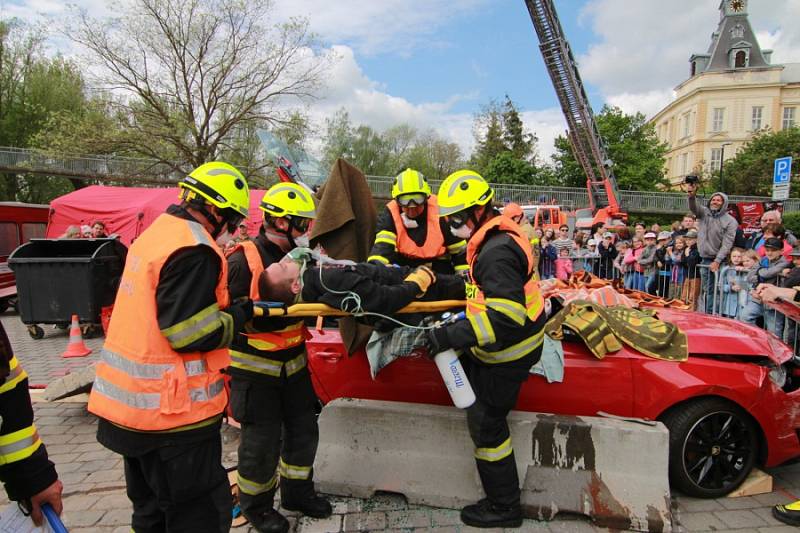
(433, 246)
(477, 303)
(267, 341)
(141, 382)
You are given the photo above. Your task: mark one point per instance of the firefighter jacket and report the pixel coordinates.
(430, 242)
(504, 304)
(149, 377)
(268, 346)
(24, 467)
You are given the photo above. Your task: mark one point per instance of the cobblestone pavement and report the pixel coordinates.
(94, 486)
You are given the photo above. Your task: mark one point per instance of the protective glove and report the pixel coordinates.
(423, 277)
(241, 311)
(438, 341)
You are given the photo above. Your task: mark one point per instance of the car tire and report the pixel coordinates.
(713, 445)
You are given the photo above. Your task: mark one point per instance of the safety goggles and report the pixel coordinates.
(301, 224)
(456, 220)
(411, 200)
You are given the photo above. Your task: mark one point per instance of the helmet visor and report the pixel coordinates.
(411, 200)
(456, 220)
(301, 224)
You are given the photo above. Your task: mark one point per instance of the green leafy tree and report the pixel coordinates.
(195, 74)
(520, 143)
(631, 144)
(338, 138)
(750, 171)
(33, 89)
(489, 136)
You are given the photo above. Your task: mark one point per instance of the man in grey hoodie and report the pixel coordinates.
(716, 231)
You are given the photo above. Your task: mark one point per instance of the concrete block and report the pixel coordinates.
(614, 471)
(77, 382)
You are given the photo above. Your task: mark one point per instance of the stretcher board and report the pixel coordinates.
(326, 310)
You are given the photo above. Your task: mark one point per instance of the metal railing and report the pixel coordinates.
(146, 170)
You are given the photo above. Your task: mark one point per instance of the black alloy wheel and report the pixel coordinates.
(713, 447)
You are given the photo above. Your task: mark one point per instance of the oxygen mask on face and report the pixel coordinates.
(409, 223)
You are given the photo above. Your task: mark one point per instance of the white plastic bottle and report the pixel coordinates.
(455, 378)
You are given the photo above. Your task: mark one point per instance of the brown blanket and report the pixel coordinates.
(345, 228)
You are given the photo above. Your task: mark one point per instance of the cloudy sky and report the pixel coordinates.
(433, 63)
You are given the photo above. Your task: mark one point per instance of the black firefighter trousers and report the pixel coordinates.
(180, 489)
(496, 394)
(278, 440)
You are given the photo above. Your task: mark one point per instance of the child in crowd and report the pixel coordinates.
(607, 253)
(750, 263)
(563, 265)
(677, 272)
(662, 265)
(648, 262)
(733, 276)
(767, 272)
(620, 268)
(547, 258)
(691, 258)
(634, 278)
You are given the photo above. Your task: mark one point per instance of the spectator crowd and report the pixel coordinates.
(704, 259)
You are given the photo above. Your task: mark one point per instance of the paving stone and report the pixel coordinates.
(744, 502)
(116, 517)
(695, 505)
(101, 476)
(57, 440)
(79, 502)
(83, 438)
(445, 517)
(99, 455)
(64, 468)
(408, 518)
(740, 519)
(364, 521)
(469, 529)
(84, 518)
(89, 447)
(702, 521)
(73, 478)
(59, 458)
(332, 524)
(113, 501)
(771, 498)
(778, 529)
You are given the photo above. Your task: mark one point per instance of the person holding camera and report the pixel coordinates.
(716, 231)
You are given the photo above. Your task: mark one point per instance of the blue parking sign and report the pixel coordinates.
(783, 171)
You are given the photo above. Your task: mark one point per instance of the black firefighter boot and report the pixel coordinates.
(300, 496)
(487, 514)
(269, 522)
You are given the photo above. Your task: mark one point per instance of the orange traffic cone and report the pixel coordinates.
(76, 347)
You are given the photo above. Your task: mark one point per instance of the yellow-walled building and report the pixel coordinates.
(733, 91)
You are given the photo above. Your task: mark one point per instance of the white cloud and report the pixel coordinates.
(371, 26)
(644, 47)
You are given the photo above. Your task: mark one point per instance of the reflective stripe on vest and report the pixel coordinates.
(495, 454)
(433, 246)
(19, 445)
(15, 375)
(269, 367)
(153, 400)
(194, 367)
(293, 471)
(142, 383)
(477, 304)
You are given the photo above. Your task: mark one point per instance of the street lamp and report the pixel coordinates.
(721, 164)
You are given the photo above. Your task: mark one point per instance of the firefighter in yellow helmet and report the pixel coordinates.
(501, 338)
(159, 389)
(271, 392)
(411, 233)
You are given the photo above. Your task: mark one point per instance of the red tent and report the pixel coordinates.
(126, 211)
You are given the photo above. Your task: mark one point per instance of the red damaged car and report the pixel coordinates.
(733, 404)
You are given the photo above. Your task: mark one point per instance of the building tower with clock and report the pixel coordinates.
(733, 90)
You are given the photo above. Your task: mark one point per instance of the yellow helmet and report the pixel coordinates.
(219, 183)
(290, 199)
(461, 190)
(410, 182)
